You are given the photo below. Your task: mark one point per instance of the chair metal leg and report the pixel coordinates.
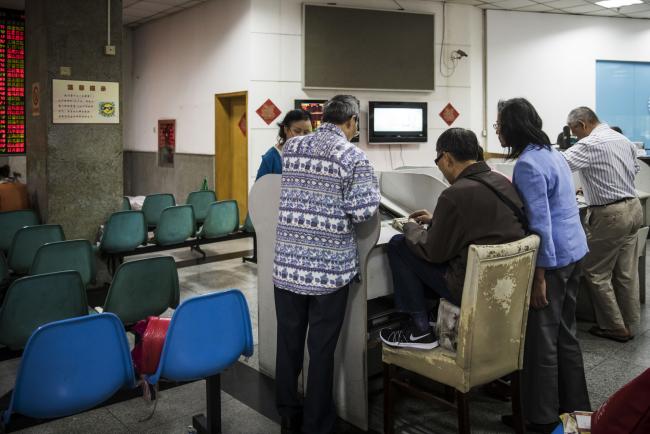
(517, 415)
(252, 259)
(642, 278)
(463, 412)
(211, 423)
(389, 399)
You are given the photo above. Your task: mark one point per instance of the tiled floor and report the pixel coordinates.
(609, 365)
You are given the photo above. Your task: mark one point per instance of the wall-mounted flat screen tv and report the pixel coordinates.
(350, 48)
(397, 122)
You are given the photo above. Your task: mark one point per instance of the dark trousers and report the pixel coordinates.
(324, 315)
(414, 278)
(554, 376)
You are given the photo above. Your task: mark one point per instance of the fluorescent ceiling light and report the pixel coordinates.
(618, 3)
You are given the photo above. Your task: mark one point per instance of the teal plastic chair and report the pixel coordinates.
(124, 232)
(126, 204)
(143, 288)
(4, 269)
(74, 255)
(153, 206)
(11, 221)
(175, 226)
(222, 219)
(201, 201)
(71, 366)
(26, 243)
(33, 301)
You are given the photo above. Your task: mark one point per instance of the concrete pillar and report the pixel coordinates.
(74, 171)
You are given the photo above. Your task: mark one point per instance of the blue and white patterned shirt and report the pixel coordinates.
(327, 185)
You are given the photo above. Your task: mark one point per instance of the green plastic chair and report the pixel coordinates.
(74, 255)
(126, 204)
(11, 221)
(143, 288)
(33, 301)
(4, 268)
(124, 232)
(223, 219)
(201, 201)
(153, 206)
(26, 243)
(176, 225)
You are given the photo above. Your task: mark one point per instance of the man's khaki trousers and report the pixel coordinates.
(610, 267)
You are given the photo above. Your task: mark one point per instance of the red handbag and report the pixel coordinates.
(627, 411)
(149, 340)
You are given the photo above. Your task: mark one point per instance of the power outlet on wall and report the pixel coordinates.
(109, 50)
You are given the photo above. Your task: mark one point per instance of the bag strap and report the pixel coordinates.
(521, 216)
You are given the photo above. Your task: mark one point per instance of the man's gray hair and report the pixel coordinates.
(582, 114)
(340, 109)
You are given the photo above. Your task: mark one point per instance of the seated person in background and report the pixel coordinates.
(617, 129)
(295, 123)
(478, 208)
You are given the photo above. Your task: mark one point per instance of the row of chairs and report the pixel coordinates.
(155, 204)
(43, 249)
(125, 231)
(140, 288)
(73, 365)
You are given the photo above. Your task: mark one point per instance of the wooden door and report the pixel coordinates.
(231, 150)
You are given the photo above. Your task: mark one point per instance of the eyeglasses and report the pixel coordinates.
(496, 125)
(439, 157)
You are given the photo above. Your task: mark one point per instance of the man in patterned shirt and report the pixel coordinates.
(606, 161)
(327, 185)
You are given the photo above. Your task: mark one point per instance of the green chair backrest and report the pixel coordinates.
(11, 221)
(175, 226)
(223, 219)
(4, 268)
(201, 201)
(142, 288)
(33, 301)
(124, 232)
(126, 204)
(153, 206)
(26, 243)
(74, 255)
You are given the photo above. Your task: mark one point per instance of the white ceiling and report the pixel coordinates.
(575, 7)
(136, 12)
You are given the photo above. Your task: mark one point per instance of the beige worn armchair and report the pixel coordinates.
(491, 332)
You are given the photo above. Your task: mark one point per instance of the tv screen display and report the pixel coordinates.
(397, 122)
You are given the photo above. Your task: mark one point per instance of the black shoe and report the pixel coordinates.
(546, 428)
(409, 337)
(291, 425)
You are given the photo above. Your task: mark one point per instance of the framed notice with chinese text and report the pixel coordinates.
(85, 102)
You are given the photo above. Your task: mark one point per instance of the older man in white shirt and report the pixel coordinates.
(607, 163)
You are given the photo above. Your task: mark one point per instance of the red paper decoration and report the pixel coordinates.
(268, 111)
(449, 114)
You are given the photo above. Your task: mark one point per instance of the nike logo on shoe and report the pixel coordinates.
(417, 338)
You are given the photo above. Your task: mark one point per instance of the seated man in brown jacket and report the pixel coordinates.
(480, 207)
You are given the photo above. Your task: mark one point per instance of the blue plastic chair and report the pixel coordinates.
(206, 335)
(71, 366)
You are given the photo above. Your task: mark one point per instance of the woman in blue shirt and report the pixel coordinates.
(553, 379)
(295, 123)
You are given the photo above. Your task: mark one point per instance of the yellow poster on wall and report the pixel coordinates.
(85, 102)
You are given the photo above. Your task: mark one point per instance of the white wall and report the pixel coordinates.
(276, 29)
(551, 60)
(179, 63)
